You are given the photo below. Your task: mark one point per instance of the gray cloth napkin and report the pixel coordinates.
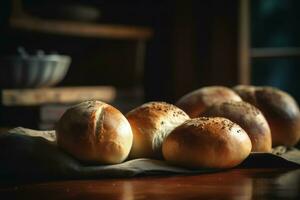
(29, 155)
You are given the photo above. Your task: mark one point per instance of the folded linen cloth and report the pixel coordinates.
(28, 155)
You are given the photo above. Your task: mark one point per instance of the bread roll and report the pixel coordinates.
(207, 143)
(246, 92)
(280, 110)
(249, 118)
(151, 123)
(195, 102)
(95, 132)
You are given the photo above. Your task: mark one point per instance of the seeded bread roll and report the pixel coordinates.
(207, 143)
(151, 123)
(95, 132)
(249, 118)
(195, 102)
(279, 108)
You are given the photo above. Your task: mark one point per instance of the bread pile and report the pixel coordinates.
(212, 127)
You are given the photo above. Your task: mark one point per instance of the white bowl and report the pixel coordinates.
(33, 71)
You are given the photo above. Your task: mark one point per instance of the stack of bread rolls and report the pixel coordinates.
(212, 127)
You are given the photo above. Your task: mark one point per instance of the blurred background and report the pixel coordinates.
(56, 53)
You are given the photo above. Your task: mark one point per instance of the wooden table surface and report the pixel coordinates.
(232, 184)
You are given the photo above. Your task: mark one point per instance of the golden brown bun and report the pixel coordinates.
(207, 143)
(280, 110)
(95, 132)
(151, 123)
(249, 118)
(195, 102)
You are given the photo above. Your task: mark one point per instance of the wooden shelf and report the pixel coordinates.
(275, 52)
(60, 95)
(81, 29)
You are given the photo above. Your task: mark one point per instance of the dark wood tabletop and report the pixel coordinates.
(231, 184)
